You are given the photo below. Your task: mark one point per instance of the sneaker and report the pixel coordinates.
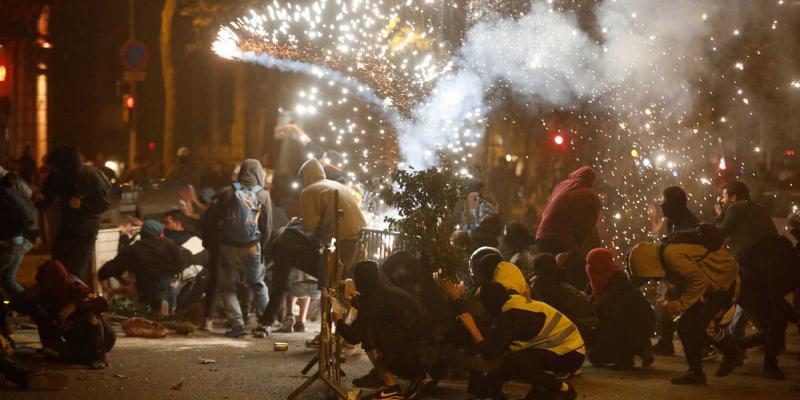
(299, 327)
(419, 386)
(568, 394)
(729, 364)
(664, 349)
(98, 365)
(710, 353)
(45, 381)
(772, 371)
(235, 332)
(371, 380)
(387, 393)
(288, 325)
(647, 355)
(690, 378)
(261, 331)
(314, 343)
(207, 325)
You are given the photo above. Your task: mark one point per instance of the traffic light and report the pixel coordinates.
(130, 102)
(128, 105)
(558, 139)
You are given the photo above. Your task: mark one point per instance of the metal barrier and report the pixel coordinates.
(376, 244)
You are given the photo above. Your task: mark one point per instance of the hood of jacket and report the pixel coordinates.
(600, 266)
(645, 262)
(510, 276)
(581, 177)
(251, 174)
(312, 172)
(367, 278)
(66, 159)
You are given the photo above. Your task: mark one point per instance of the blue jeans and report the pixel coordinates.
(246, 261)
(8, 277)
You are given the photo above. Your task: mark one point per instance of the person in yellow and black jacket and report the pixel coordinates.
(533, 342)
(708, 282)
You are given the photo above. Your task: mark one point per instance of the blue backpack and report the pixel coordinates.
(240, 222)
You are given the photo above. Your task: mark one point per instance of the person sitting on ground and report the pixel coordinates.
(548, 285)
(193, 281)
(392, 323)
(156, 262)
(515, 245)
(533, 342)
(626, 318)
(69, 317)
(707, 281)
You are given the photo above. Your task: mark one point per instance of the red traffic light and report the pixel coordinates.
(558, 139)
(130, 102)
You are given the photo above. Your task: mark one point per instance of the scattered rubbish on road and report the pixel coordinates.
(206, 360)
(177, 386)
(140, 327)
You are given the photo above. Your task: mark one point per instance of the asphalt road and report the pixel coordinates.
(170, 368)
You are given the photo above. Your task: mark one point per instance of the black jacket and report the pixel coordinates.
(746, 223)
(626, 318)
(17, 184)
(153, 257)
(71, 179)
(568, 300)
(682, 219)
(250, 174)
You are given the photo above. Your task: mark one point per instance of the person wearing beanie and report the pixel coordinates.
(626, 318)
(391, 323)
(549, 286)
(83, 194)
(706, 281)
(533, 343)
(69, 317)
(475, 208)
(156, 263)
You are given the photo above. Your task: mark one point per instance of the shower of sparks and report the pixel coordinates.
(376, 63)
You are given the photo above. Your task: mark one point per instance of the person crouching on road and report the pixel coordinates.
(534, 342)
(394, 325)
(69, 317)
(707, 282)
(626, 318)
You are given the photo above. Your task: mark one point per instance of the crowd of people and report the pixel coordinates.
(533, 309)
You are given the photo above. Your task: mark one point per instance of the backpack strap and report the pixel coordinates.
(237, 186)
(256, 189)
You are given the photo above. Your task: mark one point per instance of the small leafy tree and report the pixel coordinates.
(425, 200)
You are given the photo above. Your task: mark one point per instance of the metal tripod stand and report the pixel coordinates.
(328, 360)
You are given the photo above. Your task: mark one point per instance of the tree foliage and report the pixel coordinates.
(425, 201)
(208, 15)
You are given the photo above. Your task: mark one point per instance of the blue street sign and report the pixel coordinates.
(134, 55)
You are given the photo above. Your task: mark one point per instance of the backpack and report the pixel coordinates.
(704, 234)
(240, 221)
(17, 215)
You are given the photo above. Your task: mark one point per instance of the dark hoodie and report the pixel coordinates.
(390, 315)
(71, 179)
(572, 210)
(250, 174)
(549, 285)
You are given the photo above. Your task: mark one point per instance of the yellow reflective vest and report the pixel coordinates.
(558, 334)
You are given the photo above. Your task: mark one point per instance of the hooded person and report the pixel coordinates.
(626, 318)
(548, 286)
(569, 222)
(319, 217)
(391, 322)
(676, 213)
(69, 317)
(533, 343)
(707, 282)
(236, 230)
(155, 261)
(82, 193)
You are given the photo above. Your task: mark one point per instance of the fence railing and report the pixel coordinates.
(376, 244)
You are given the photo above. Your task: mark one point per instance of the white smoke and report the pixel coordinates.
(649, 54)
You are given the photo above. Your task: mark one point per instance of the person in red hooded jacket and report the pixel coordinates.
(626, 318)
(569, 222)
(69, 317)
